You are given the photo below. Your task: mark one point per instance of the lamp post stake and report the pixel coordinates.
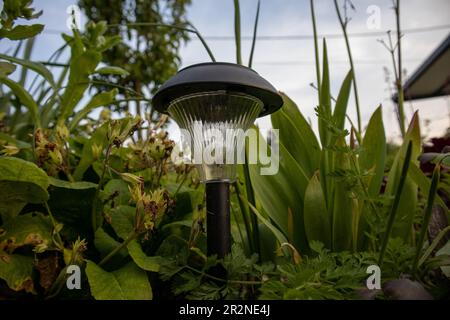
(218, 218)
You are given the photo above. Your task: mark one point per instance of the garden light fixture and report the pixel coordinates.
(215, 103)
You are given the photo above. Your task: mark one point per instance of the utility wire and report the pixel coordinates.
(302, 36)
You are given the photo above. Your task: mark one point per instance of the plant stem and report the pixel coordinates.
(427, 216)
(97, 191)
(350, 58)
(150, 24)
(316, 47)
(237, 31)
(396, 203)
(255, 28)
(133, 234)
(399, 80)
(220, 279)
(244, 212)
(54, 223)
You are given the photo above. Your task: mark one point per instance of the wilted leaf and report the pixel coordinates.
(17, 270)
(28, 229)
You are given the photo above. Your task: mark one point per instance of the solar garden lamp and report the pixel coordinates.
(210, 101)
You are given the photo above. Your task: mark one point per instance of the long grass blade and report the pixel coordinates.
(237, 31)
(427, 216)
(394, 207)
(255, 28)
(316, 47)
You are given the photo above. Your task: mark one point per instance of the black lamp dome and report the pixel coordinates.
(214, 76)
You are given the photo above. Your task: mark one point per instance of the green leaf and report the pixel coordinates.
(145, 262)
(22, 32)
(424, 183)
(99, 100)
(6, 68)
(21, 182)
(317, 219)
(408, 198)
(28, 229)
(118, 190)
(104, 243)
(35, 66)
(325, 99)
(342, 204)
(17, 271)
(81, 67)
(373, 152)
(71, 204)
(122, 220)
(81, 185)
(297, 136)
(99, 139)
(371, 161)
(25, 98)
(282, 191)
(275, 231)
(112, 70)
(127, 283)
(340, 109)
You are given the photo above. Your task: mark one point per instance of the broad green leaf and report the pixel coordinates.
(78, 185)
(81, 67)
(21, 32)
(340, 109)
(373, 152)
(282, 191)
(71, 204)
(408, 199)
(17, 271)
(25, 98)
(6, 68)
(127, 283)
(21, 182)
(297, 136)
(28, 229)
(101, 99)
(317, 219)
(144, 261)
(371, 161)
(424, 183)
(118, 190)
(35, 66)
(122, 220)
(104, 243)
(342, 204)
(112, 70)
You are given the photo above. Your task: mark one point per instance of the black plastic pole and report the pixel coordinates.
(218, 218)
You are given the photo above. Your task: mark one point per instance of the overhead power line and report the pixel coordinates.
(303, 36)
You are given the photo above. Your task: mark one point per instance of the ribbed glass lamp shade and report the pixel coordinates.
(212, 120)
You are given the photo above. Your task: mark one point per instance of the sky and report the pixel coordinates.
(289, 63)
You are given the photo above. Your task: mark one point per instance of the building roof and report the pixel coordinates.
(432, 78)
